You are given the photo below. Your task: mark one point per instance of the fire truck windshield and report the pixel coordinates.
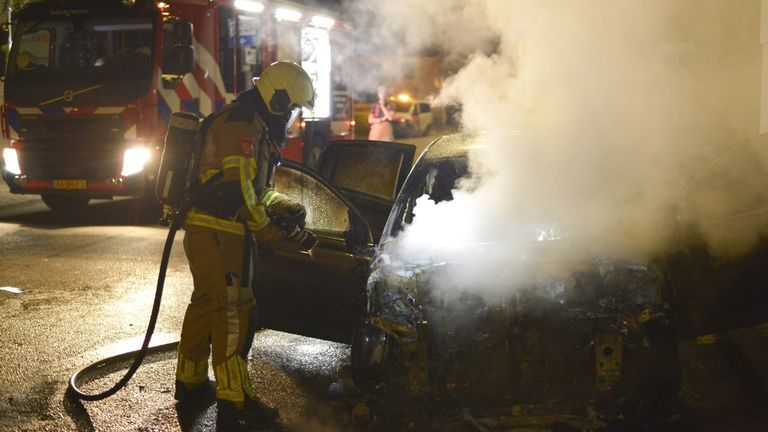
(82, 47)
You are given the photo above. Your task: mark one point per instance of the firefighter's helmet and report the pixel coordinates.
(285, 86)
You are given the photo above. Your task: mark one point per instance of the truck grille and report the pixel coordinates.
(71, 147)
(70, 165)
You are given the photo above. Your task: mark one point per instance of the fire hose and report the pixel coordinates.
(138, 355)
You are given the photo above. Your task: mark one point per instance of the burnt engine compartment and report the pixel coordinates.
(599, 340)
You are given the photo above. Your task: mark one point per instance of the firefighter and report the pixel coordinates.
(241, 141)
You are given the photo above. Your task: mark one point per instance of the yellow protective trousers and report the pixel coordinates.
(220, 318)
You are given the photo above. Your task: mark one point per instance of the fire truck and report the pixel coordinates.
(90, 85)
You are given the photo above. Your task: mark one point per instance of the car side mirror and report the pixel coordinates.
(178, 52)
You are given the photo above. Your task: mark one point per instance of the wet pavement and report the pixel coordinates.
(76, 289)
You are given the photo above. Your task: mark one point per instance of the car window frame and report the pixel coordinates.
(415, 177)
(409, 154)
(355, 216)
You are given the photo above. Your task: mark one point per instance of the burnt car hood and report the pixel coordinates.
(550, 278)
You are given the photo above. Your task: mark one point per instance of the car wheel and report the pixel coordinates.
(63, 203)
(427, 130)
(412, 131)
(370, 349)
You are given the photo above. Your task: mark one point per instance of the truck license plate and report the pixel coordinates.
(69, 184)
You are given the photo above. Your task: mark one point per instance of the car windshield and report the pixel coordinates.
(75, 47)
(436, 180)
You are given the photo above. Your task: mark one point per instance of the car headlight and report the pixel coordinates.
(11, 159)
(134, 160)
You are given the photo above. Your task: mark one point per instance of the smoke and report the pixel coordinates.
(609, 119)
(388, 35)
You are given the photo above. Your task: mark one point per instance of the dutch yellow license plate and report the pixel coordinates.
(69, 184)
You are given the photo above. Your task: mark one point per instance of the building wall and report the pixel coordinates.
(423, 78)
(718, 48)
(764, 68)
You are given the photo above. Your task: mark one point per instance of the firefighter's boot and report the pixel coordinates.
(254, 415)
(202, 394)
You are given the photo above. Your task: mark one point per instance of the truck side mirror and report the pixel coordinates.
(178, 50)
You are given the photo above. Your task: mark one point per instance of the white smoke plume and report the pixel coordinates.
(613, 119)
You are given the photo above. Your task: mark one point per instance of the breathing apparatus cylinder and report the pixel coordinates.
(177, 165)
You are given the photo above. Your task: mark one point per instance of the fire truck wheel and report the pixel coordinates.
(63, 203)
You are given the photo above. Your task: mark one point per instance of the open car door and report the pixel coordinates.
(369, 174)
(314, 294)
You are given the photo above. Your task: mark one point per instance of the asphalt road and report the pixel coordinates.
(77, 288)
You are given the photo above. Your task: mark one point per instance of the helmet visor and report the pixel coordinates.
(293, 115)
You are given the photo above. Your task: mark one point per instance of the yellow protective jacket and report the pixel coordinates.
(236, 143)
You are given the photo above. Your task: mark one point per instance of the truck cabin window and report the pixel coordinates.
(119, 47)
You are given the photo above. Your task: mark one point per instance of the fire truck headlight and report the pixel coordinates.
(134, 160)
(11, 159)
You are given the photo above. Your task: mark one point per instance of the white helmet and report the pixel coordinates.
(285, 87)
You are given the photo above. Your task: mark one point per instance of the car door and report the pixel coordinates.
(369, 174)
(314, 294)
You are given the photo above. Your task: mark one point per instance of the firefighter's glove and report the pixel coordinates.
(287, 214)
(290, 216)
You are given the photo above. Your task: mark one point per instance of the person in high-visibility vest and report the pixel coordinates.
(380, 118)
(241, 142)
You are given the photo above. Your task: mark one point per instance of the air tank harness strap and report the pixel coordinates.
(275, 158)
(248, 247)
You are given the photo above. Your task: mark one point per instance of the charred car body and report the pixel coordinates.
(596, 339)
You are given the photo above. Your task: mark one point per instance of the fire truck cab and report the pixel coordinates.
(91, 84)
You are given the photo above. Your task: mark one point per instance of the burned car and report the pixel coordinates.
(560, 345)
